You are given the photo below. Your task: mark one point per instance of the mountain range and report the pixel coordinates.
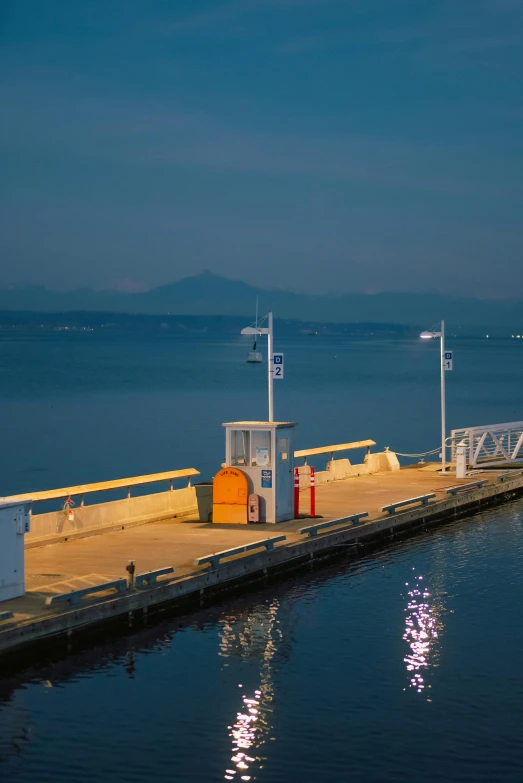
(208, 294)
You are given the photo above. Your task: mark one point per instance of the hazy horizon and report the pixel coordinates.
(296, 144)
(125, 287)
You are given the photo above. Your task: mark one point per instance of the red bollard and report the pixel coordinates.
(313, 494)
(296, 493)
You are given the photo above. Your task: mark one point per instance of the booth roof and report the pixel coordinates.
(255, 424)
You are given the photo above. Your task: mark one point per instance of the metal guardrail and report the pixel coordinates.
(149, 578)
(313, 530)
(490, 445)
(510, 474)
(422, 499)
(333, 449)
(75, 596)
(214, 559)
(465, 487)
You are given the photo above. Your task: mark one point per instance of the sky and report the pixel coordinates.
(315, 145)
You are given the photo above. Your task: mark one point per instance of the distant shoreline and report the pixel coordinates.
(213, 298)
(110, 322)
(84, 321)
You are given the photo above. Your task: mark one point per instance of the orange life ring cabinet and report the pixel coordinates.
(230, 495)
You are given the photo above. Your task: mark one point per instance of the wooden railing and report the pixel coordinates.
(82, 508)
(333, 449)
(103, 486)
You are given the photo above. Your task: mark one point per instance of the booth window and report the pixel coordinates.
(260, 448)
(240, 445)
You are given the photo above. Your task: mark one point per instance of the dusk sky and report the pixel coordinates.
(316, 145)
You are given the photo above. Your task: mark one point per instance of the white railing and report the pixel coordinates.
(491, 445)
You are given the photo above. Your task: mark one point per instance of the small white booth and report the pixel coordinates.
(264, 452)
(14, 523)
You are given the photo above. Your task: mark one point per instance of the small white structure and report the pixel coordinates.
(254, 356)
(264, 451)
(461, 460)
(14, 523)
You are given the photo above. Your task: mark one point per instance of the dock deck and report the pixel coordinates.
(178, 543)
(62, 567)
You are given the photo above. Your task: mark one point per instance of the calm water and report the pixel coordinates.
(405, 666)
(80, 407)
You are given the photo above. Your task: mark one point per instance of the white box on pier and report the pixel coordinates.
(14, 523)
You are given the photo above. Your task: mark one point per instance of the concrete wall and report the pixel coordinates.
(148, 508)
(341, 469)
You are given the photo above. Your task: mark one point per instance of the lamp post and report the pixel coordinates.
(431, 336)
(269, 332)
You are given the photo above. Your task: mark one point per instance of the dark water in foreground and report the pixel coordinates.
(404, 666)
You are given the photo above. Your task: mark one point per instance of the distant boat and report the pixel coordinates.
(254, 356)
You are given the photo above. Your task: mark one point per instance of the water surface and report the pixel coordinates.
(402, 666)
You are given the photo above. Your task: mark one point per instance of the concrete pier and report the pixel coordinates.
(61, 567)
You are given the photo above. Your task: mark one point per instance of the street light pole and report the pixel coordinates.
(270, 369)
(428, 336)
(443, 428)
(268, 330)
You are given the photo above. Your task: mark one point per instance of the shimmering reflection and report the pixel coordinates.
(422, 629)
(255, 636)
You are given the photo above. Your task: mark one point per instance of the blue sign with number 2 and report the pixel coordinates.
(277, 365)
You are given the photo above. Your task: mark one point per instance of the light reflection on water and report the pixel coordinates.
(423, 626)
(254, 636)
